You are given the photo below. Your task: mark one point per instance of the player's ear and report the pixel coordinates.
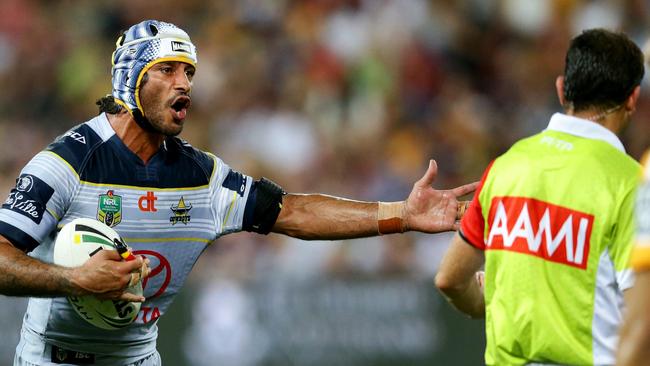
(559, 88)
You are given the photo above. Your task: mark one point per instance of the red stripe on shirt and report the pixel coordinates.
(472, 226)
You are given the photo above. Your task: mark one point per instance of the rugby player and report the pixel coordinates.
(634, 345)
(126, 168)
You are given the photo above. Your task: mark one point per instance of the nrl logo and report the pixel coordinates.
(181, 212)
(109, 209)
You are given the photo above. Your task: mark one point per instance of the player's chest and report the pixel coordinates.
(144, 211)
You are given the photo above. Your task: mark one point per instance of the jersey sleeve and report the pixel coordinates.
(229, 193)
(640, 259)
(41, 196)
(472, 226)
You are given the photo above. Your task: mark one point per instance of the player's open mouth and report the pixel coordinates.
(179, 107)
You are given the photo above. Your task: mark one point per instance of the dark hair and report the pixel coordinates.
(602, 68)
(107, 104)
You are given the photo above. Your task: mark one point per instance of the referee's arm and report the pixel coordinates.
(459, 279)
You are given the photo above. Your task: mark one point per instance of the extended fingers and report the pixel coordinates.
(465, 189)
(429, 175)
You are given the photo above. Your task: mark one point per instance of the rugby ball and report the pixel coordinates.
(77, 241)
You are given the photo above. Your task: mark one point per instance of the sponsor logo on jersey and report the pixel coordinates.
(76, 136)
(18, 202)
(181, 212)
(109, 208)
(554, 233)
(147, 203)
(155, 284)
(63, 356)
(29, 197)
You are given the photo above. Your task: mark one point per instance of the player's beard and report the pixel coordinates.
(156, 115)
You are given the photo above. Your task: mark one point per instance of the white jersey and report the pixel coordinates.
(169, 210)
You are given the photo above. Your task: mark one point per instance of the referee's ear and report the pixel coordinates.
(559, 88)
(630, 103)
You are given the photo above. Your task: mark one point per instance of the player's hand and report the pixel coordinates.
(107, 276)
(433, 211)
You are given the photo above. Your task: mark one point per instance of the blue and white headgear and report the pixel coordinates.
(138, 49)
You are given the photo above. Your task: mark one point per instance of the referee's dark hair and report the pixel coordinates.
(602, 68)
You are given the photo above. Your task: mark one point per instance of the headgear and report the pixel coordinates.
(138, 49)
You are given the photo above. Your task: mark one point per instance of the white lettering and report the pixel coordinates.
(557, 143)
(582, 237)
(500, 226)
(76, 136)
(17, 202)
(523, 229)
(566, 234)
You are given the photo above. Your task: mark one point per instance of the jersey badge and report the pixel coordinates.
(109, 209)
(181, 212)
(29, 197)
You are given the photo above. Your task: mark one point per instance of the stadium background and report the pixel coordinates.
(348, 97)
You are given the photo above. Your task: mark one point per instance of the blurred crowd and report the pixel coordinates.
(347, 97)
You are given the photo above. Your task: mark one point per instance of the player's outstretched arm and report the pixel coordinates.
(103, 274)
(458, 278)
(317, 216)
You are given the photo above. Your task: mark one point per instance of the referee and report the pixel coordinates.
(552, 221)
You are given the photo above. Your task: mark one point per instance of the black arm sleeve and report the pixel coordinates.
(263, 206)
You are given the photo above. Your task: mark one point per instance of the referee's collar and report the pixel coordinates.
(584, 128)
